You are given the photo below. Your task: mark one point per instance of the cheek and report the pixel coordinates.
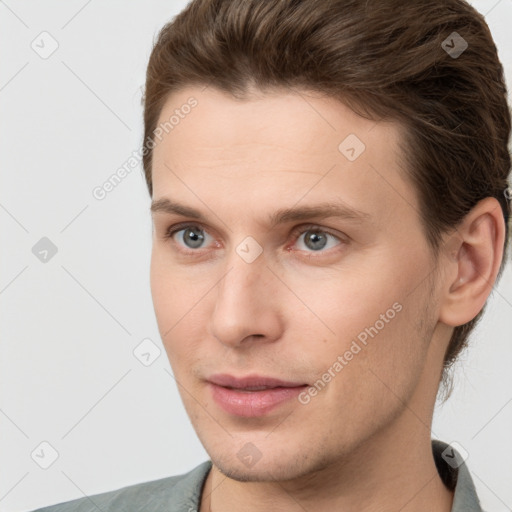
(163, 292)
(173, 289)
(179, 303)
(370, 368)
(366, 326)
(170, 297)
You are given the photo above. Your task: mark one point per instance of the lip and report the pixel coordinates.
(229, 394)
(225, 380)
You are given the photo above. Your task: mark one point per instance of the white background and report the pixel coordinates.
(69, 326)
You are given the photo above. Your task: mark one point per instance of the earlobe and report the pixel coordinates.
(472, 272)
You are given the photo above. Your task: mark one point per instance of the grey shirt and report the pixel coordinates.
(182, 493)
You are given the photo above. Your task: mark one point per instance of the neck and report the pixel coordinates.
(391, 471)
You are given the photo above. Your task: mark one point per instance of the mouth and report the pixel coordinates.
(251, 382)
(251, 396)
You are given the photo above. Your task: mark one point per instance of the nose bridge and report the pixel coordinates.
(240, 283)
(242, 305)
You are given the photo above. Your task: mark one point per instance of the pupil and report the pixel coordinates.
(193, 239)
(315, 241)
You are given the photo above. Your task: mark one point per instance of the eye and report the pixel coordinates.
(316, 239)
(191, 236)
(311, 238)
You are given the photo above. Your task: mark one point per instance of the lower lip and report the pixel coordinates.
(250, 404)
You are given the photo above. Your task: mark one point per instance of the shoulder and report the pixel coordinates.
(180, 492)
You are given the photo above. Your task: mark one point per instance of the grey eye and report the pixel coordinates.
(192, 237)
(315, 240)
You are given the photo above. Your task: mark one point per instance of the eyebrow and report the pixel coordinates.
(281, 216)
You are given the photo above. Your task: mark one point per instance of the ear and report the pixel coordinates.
(474, 253)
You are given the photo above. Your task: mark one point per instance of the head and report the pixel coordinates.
(255, 110)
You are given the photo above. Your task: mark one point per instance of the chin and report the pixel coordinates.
(267, 472)
(275, 467)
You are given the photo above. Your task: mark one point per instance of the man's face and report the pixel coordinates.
(344, 299)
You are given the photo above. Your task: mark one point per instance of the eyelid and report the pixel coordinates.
(295, 233)
(175, 228)
(315, 227)
(298, 229)
(312, 255)
(171, 230)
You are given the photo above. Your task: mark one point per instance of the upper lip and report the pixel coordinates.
(229, 381)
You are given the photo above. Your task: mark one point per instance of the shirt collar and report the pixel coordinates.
(455, 474)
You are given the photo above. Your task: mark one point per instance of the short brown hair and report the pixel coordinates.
(384, 59)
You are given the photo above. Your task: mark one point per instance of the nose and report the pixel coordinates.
(247, 307)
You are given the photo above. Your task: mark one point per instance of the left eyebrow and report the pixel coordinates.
(281, 216)
(319, 211)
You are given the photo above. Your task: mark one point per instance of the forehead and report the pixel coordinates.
(303, 121)
(293, 143)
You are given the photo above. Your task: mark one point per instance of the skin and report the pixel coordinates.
(363, 442)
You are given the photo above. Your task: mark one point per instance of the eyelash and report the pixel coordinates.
(172, 230)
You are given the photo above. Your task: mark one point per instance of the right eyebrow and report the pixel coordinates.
(281, 216)
(165, 205)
